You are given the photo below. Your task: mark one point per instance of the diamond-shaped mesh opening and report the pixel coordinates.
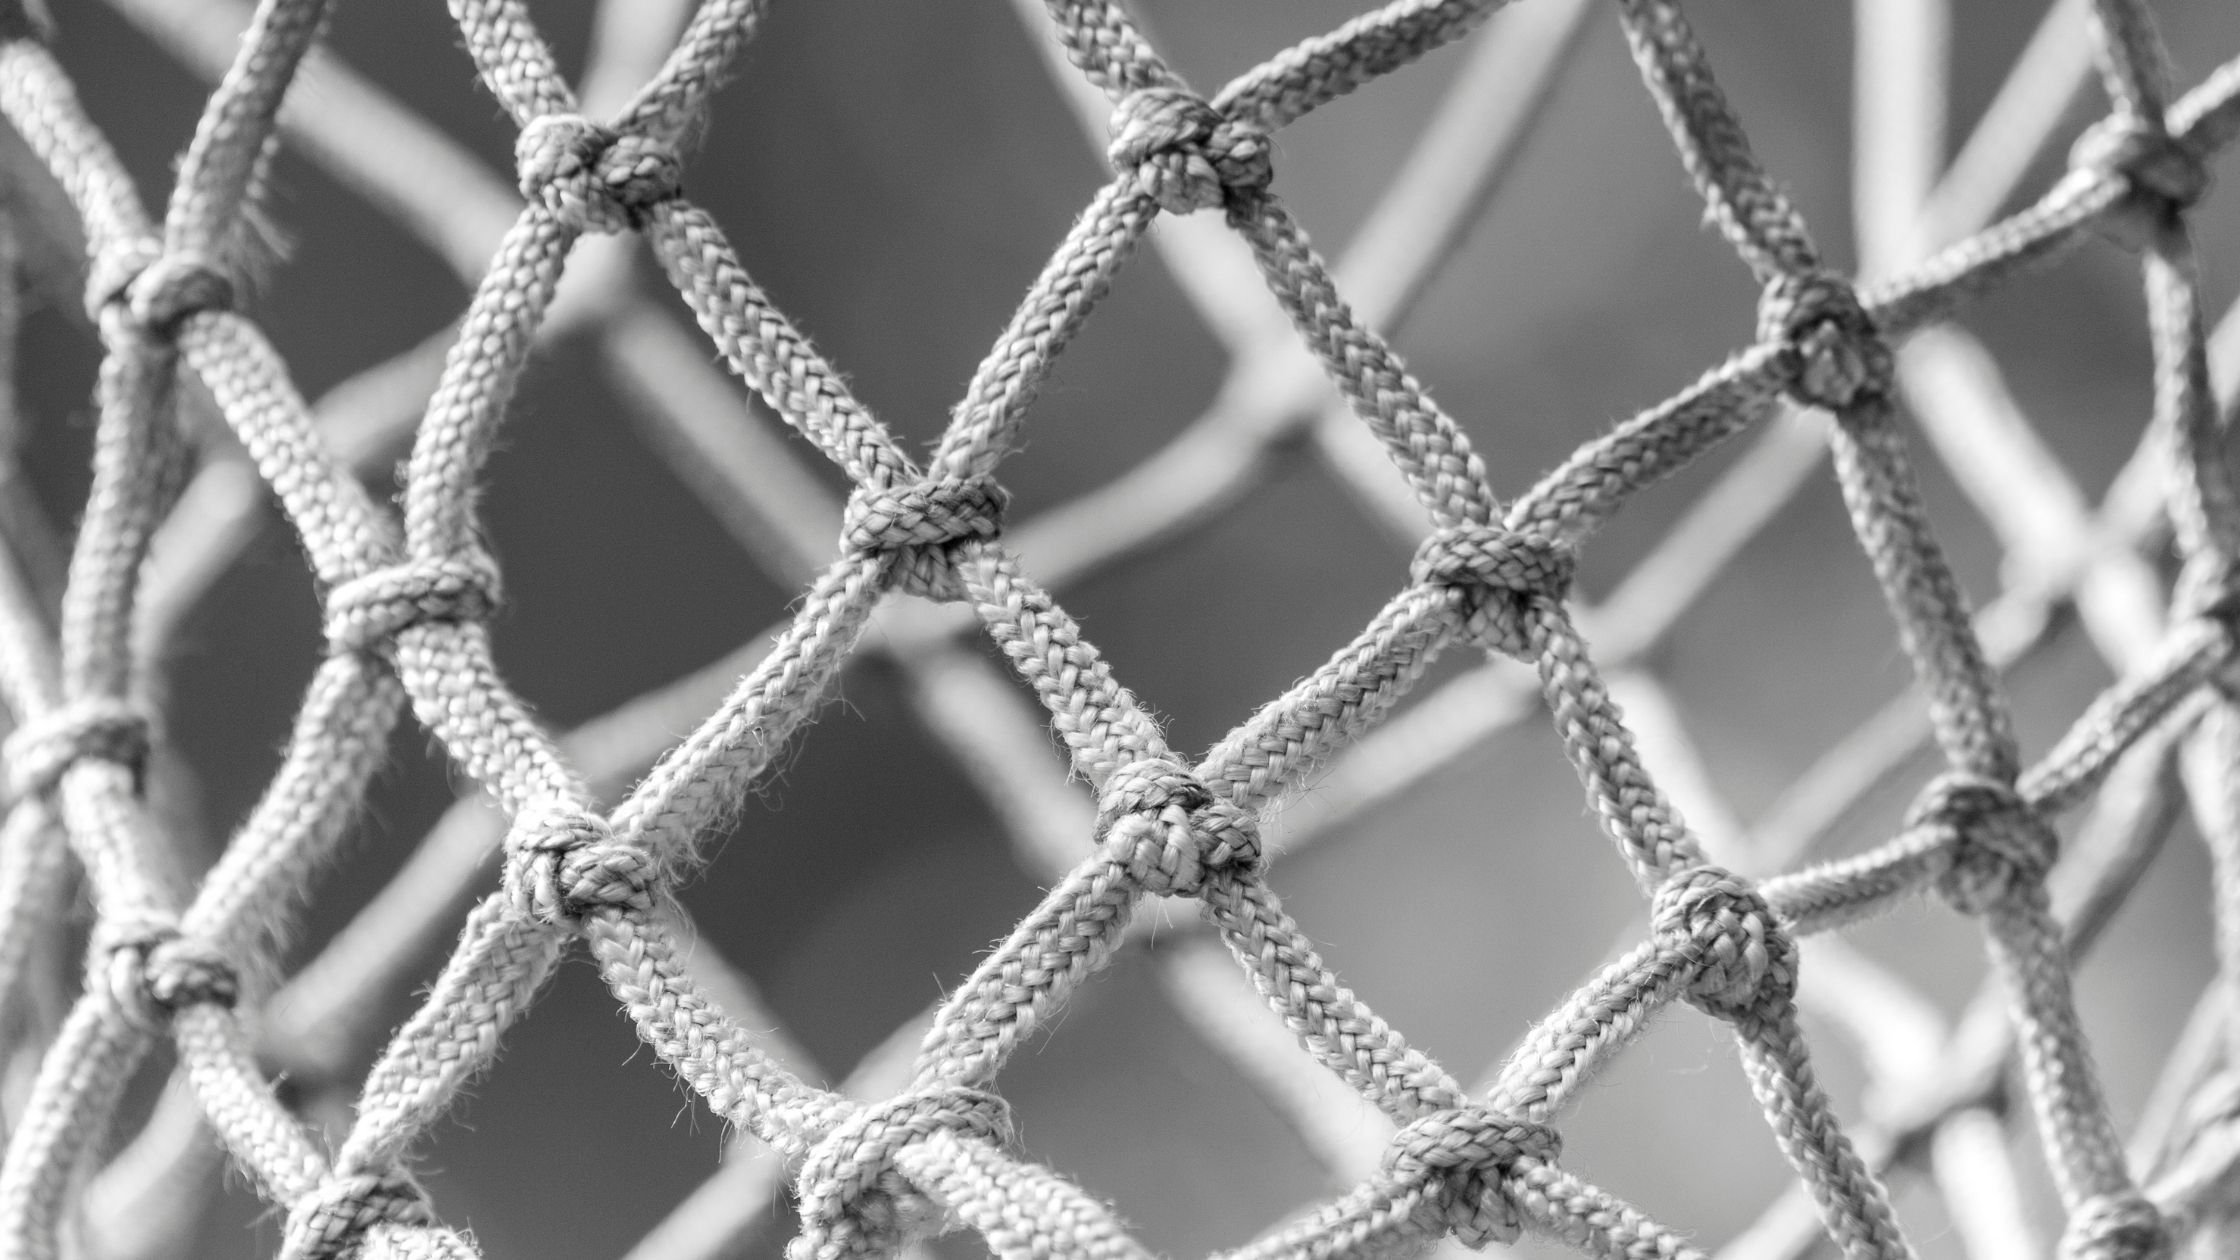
(599, 832)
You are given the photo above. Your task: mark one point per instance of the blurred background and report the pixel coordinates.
(895, 173)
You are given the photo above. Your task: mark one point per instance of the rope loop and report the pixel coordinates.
(1504, 570)
(330, 1222)
(1185, 154)
(153, 291)
(369, 611)
(592, 177)
(563, 862)
(2117, 1227)
(43, 749)
(2000, 845)
(1840, 357)
(1745, 960)
(920, 523)
(2163, 174)
(1162, 825)
(850, 1195)
(154, 973)
(1465, 1153)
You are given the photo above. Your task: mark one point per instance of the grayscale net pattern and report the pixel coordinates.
(921, 1140)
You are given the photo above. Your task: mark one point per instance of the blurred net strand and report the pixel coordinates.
(1669, 568)
(1108, 541)
(1900, 86)
(1047, 830)
(1462, 160)
(1907, 40)
(1489, 72)
(795, 574)
(1899, 116)
(2204, 512)
(1911, 1116)
(1668, 768)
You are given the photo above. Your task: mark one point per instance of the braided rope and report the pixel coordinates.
(407, 602)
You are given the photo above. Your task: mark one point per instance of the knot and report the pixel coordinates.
(2117, 1227)
(929, 514)
(369, 611)
(1185, 154)
(594, 178)
(564, 863)
(155, 291)
(154, 972)
(2162, 174)
(1466, 1152)
(1745, 960)
(1999, 844)
(1841, 358)
(921, 521)
(1163, 826)
(1504, 570)
(43, 749)
(331, 1221)
(850, 1195)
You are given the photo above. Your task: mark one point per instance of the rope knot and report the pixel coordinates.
(1169, 831)
(2117, 1227)
(591, 177)
(563, 862)
(1504, 570)
(43, 749)
(921, 521)
(1185, 154)
(2162, 174)
(370, 610)
(155, 291)
(1466, 1152)
(1744, 957)
(1841, 358)
(330, 1222)
(1999, 844)
(852, 1199)
(154, 972)
(929, 514)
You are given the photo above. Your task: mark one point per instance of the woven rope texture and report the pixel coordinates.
(925, 1143)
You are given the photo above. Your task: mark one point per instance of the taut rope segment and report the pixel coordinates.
(872, 1176)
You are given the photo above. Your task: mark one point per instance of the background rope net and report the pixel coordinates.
(921, 1140)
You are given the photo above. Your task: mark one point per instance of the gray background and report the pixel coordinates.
(895, 172)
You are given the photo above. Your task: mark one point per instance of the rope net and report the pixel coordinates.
(921, 1142)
